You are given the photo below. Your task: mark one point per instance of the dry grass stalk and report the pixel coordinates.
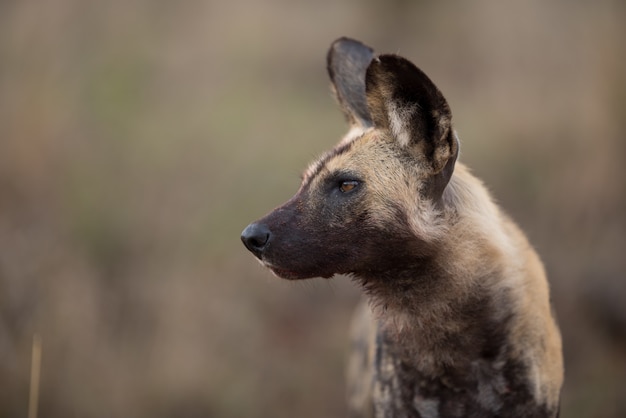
(35, 372)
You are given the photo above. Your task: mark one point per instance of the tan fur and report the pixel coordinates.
(478, 237)
(499, 242)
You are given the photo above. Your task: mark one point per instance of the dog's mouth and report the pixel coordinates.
(289, 274)
(283, 273)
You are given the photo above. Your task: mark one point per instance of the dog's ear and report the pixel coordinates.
(347, 62)
(404, 101)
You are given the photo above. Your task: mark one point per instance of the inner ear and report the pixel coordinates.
(404, 101)
(347, 62)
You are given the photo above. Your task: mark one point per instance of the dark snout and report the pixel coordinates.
(256, 237)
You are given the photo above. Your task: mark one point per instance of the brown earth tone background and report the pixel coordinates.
(137, 140)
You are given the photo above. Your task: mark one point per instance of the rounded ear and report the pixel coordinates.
(404, 101)
(347, 62)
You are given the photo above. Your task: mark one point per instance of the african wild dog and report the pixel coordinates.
(458, 321)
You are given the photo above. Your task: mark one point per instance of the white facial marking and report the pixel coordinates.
(353, 133)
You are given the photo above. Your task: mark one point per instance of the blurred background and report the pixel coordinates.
(137, 140)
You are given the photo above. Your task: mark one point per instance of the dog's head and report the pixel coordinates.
(371, 204)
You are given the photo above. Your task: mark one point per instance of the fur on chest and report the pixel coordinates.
(384, 383)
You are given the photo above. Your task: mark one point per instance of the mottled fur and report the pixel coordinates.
(457, 321)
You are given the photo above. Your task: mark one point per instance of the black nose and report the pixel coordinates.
(255, 237)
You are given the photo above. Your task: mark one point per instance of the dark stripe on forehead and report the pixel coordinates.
(316, 167)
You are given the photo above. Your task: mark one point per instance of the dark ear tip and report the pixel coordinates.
(345, 42)
(347, 61)
(382, 64)
(389, 62)
(344, 46)
(341, 40)
(389, 67)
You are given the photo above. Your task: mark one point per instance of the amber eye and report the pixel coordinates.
(348, 186)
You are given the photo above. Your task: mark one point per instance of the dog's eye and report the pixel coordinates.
(348, 186)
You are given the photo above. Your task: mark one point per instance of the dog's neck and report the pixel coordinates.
(447, 308)
(441, 323)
